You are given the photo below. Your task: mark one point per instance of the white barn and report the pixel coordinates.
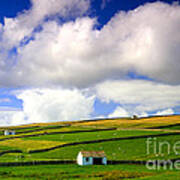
(91, 157)
(9, 132)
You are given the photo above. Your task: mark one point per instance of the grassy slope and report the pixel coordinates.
(92, 135)
(47, 141)
(115, 150)
(55, 172)
(48, 130)
(119, 122)
(129, 123)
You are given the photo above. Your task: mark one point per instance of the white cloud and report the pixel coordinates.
(138, 96)
(16, 29)
(6, 117)
(143, 114)
(140, 43)
(11, 116)
(165, 112)
(119, 112)
(63, 60)
(145, 40)
(46, 105)
(133, 97)
(75, 54)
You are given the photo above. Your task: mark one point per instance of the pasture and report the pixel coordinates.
(110, 172)
(121, 139)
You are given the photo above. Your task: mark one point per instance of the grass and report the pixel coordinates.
(54, 172)
(48, 141)
(45, 131)
(6, 148)
(172, 127)
(35, 128)
(29, 145)
(110, 172)
(86, 136)
(132, 149)
(115, 150)
(135, 149)
(129, 123)
(118, 122)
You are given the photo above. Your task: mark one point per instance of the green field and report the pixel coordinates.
(93, 135)
(173, 127)
(115, 150)
(110, 172)
(121, 143)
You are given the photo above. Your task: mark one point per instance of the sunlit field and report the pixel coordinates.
(121, 140)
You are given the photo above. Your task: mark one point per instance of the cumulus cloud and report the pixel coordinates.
(130, 112)
(139, 96)
(6, 117)
(119, 112)
(45, 105)
(10, 116)
(133, 97)
(16, 29)
(63, 60)
(165, 112)
(145, 41)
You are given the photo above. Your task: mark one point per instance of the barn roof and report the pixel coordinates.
(93, 153)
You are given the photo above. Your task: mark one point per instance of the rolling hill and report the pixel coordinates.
(124, 141)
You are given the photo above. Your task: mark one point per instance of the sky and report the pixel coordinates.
(65, 60)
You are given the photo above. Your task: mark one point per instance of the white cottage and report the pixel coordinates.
(9, 132)
(91, 157)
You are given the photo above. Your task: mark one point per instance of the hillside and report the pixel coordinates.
(121, 139)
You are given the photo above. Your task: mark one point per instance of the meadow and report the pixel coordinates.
(127, 141)
(110, 172)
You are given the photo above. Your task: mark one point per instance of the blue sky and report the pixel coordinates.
(10, 8)
(107, 58)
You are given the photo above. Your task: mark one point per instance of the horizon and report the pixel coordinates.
(89, 120)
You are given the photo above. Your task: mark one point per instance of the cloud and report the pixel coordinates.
(5, 117)
(133, 97)
(119, 112)
(139, 96)
(145, 41)
(165, 112)
(74, 54)
(20, 27)
(49, 105)
(61, 61)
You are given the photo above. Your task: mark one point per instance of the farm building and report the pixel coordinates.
(91, 157)
(9, 132)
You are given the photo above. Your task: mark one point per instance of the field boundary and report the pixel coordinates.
(62, 132)
(167, 126)
(55, 162)
(32, 163)
(10, 151)
(42, 129)
(101, 140)
(123, 118)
